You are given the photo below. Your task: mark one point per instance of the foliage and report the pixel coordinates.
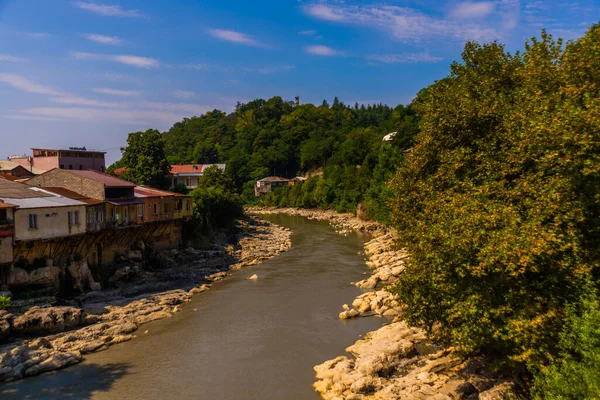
(499, 202)
(216, 204)
(145, 159)
(180, 188)
(4, 302)
(575, 373)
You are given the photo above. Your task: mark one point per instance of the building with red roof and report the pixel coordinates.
(190, 174)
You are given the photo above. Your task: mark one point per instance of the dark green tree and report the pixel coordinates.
(145, 159)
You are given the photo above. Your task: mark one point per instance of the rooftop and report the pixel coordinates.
(106, 180)
(26, 196)
(6, 165)
(274, 179)
(147, 191)
(193, 168)
(17, 190)
(72, 195)
(77, 149)
(7, 205)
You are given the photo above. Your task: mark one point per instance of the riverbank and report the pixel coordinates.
(60, 336)
(395, 361)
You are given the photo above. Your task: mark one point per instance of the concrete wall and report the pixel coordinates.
(97, 164)
(52, 222)
(6, 250)
(60, 178)
(45, 163)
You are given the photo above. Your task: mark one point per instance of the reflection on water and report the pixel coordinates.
(247, 339)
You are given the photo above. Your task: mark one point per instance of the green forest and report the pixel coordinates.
(492, 182)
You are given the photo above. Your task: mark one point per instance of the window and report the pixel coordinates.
(62, 166)
(141, 210)
(187, 205)
(188, 182)
(70, 166)
(101, 169)
(73, 217)
(155, 209)
(33, 221)
(81, 167)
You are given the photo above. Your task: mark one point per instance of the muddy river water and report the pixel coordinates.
(242, 339)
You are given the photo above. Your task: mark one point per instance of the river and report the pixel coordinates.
(242, 339)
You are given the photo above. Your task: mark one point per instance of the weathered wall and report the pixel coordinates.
(97, 164)
(6, 250)
(53, 222)
(60, 178)
(45, 163)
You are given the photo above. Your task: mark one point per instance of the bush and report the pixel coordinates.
(4, 302)
(575, 374)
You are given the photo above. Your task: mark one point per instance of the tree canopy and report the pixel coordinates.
(145, 159)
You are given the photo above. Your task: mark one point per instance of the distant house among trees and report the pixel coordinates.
(270, 183)
(190, 174)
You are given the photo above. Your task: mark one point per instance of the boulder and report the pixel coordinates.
(49, 319)
(56, 361)
(45, 277)
(253, 277)
(18, 277)
(134, 255)
(6, 321)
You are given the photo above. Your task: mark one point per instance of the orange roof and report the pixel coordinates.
(119, 171)
(6, 205)
(147, 191)
(186, 169)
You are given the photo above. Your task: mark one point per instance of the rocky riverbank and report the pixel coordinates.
(100, 319)
(396, 361)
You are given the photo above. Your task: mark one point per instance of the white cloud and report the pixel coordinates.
(270, 70)
(195, 67)
(235, 37)
(405, 58)
(116, 92)
(81, 101)
(411, 25)
(103, 39)
(310, 32)
(7, 57)
(107, 10)
(321, 51)
(472, 10)
(136, 61)
(184, 94)
(322, 11)
(24, 84)
(33, 118)
(37, 35)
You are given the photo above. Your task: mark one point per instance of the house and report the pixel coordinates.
(389, 137)
(14, 171)
(121, 205)
(190, 174)
(162, 205)
(41, 215)
(74, 158)
(95, 210)
(6, 238)
(270, 183)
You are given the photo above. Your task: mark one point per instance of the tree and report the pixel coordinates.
(145, 159)
(499, 199)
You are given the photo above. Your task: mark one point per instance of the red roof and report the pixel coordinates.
(153, 192)
(73, 195)
(6, 205)
(186, 169)
(119, 171)
(107, 180)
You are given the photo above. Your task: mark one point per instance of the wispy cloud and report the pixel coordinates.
(136, 61)
(322, 51)
(116, 92)
(405, 58)
(8, 57)
(235, 37)
(411, 25)
(82, 101)
(272, 69)
(37, 35)
(184, 94)
(24, 84)
(33, 118)
(310, 32)
(472, 10)
(108, 10)
(103, 39)
(195, 67)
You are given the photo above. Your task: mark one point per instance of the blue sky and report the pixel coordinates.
(86, 73)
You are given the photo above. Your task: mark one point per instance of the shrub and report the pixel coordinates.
(4, 302)
(575, 374)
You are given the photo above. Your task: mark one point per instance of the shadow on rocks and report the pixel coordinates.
(79, 383)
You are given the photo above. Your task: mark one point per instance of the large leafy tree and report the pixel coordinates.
(145, 159)
(499, 202)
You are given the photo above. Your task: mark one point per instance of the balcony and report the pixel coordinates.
(6, 228)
